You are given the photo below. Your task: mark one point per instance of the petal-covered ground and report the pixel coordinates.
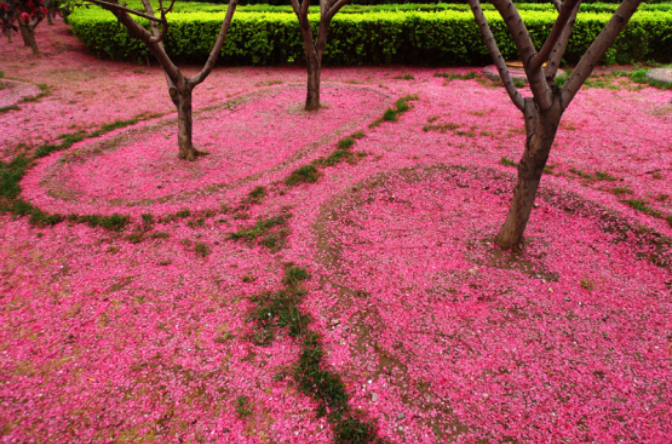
(146, 335)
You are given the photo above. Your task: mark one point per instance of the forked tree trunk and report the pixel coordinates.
(28, 35)
(314, 74)
(182, 100)
(541, 128)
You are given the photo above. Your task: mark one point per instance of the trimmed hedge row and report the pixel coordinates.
(409, 7)
(418, 38)
(387, 2)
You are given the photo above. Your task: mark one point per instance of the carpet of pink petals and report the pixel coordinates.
(439, 336)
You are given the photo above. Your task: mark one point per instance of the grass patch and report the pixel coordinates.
(12, 172)
(243, 407)
(392, 114)
(346, 143)
(201, 249)
(601, 175)
(637, 204)
(304, 174)
(442, 128)
(113, 126)
(581, 173)
(281, 310)
(452, 76)
(115, 222)
(257, 195)
(271, 233)
(508, 162)
(404, 77)
(6, 109)
(639, 76)
(587, 284)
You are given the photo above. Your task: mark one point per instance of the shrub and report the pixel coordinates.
(445, 36)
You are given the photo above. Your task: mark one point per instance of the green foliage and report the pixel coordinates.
(281, 310)
(622, 190)
(401, 34)
(346, 143)
(201, 249)
(639, 76)
(508, 162)
(112, 126)
(304, 174)
(115, 222)
(271, 233)
(452, 76)
(10, 176)
(294, 275)
(6, 109)
(243, 406)
(278, 310)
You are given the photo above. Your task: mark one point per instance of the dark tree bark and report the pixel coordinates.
(544, 110)
(314, 48)
(28, 34)
(540, 127)
(180, 87)
(8, 34)
(182, 100)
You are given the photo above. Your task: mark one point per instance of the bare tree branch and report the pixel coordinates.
(560, 47)
(557, 4)
(335, 7)
(139, 32)
(157, 36)
(295, 6)
(212, 58)
(305, 4)
(521, 37)
(597, 49)
(556, 32)
(496, 55)
(118, 7)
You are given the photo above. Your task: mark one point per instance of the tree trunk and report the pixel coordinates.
(314, 74)
(182, 100)
(28, 35)
(541, 127)
(50, 20)
(8, 33)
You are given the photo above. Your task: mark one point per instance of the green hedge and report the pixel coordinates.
(416, 38)
(396, 2)
(284, 7)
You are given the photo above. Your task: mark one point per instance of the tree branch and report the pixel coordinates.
(118, 7)
(597, 49)
(521, 37)
(139, 32)
(212, 58)
(556, 32)
(557, 4)
(496, 55)
(157, 36)
(560, 47)
(295, 7)
(335, 7)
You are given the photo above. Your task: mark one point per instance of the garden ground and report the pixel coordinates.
(190, 324)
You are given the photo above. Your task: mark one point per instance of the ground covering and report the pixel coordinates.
(327, 277)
